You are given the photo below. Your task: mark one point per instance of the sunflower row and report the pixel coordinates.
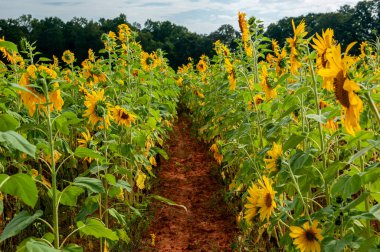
(79, 143)
(295, 130)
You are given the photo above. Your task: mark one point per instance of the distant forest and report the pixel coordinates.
(53, 36)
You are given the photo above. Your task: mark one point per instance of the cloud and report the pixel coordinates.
(202, 16)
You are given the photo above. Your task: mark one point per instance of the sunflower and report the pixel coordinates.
(97, 109)
(122, 116)
(12, 56)
(220, 48)
(202, 65)
(293, 43)
(68, 57)
(124, 32)
(270, 93)
(273, 163)
(251, 207)
(231, 73)
(92, 72)
(87, 140)
(322, 44)
(148, 61)
(217, 156)
(140, 179)
(36, 97)
(245, 35)
(344, 88)
(307, 238)
(331, 124)
(266, 201)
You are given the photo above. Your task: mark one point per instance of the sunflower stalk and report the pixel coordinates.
(320, 129)
(52, 168)
(372, 105)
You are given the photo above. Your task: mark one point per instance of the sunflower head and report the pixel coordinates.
(148, 61)
(274, 159)
(307, 238)
(123, 117)
(68, 57)
(124, 32)
(202, 65)
(98, 110)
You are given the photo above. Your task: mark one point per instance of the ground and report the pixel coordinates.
(188, 178)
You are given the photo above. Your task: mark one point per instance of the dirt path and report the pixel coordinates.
(186, 179)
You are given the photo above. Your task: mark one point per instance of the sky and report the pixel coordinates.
(201, 16)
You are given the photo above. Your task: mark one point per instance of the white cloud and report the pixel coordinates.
(202, 16)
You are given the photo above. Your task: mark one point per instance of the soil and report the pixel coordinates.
(187, 179)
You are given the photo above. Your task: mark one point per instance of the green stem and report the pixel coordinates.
(321, 135)
(372, 105)
(53, 171)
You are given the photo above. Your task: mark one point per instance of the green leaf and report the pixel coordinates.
(118, 216)
(167, 201)
(161, 152)
(92, 184)
(318, 118)
(372, 144)
(97, 229)
(70, 194)
(39, 246)
(82, 152)
(124, 184)
(375, 211)
(22, 88)
(293, 141)
(19, 223)
(123, 235)
(72, 248)
(110, 179)
(346, 186)
(8, 122)
(16, 141)
(9, 46)
(20, 185)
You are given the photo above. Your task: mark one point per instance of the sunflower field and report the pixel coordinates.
(295, 129)
(78, 143)
(294, 126)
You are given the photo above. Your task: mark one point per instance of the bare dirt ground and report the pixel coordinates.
(187, 179)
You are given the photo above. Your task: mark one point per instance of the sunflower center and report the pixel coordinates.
(149, 61)
(100, 108)
(124, 116)
(268, 200)
(341, 94)
(310, 235)
(278, 163)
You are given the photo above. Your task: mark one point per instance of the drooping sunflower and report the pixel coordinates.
(270, 92)
(322, 44)
(344, 88)
(36, 97)
(245, 34)
(92, 72)
(221, 49)
(231, 73)
(294, 43)
(68, 57)
(123, 117)
(251, 207)
(273, 163)
(307, 238)
(98, 110)
(12, 56)
(148, 61)
(266, 201)
(278, 60)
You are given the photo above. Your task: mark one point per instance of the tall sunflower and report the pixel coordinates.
(124, 32)
(307, 238)
(344, 88)
(231, 73)
(245, 34)
(273, 163)
(68, 57)
(266, 201)
(98, 110)
(122, 116)
(148, 61)
(202, 65)
(294, 43)
(36, 96)
(270, 92)
(322, 44)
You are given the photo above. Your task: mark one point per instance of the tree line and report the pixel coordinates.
(53, 36)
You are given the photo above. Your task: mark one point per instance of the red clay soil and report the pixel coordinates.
(187, 179)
